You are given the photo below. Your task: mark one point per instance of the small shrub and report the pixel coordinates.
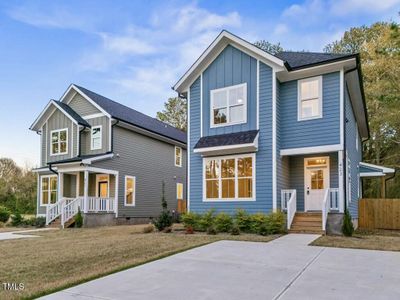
(40, 222)
(4, 214)
(243, 220)
(190, 220)
(235, 230)
(276, 222)
(207, 220)
(189, 230)
(167, 229)
(2, 224)
(223, 222)
(211, 230)
(257, 220)
(163, 220)
(78, 219)
(148, 229)
(17, 219)
(347, 227)
(263, 229)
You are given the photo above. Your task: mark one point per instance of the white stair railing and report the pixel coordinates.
(334, 199)
(69, 210)
(53, 211)
(285, 196)
(325, 208)
(291, 209)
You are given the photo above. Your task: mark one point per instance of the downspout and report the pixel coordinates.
(52, 170)
(79, 140)
(391, 177)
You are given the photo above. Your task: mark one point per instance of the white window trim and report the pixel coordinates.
(180, 158)
(101, 137)
(357, 137)
(212, 92)
(48, 191)
(299, 100)
(51, 142)
(108, 184)
(177, 189)
(220, 199)
(134, 190)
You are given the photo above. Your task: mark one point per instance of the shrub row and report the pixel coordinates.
(241, 221)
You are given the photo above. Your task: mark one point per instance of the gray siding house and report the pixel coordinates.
(106, 159)
(275, 132)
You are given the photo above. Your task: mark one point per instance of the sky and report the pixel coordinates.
(134, 51)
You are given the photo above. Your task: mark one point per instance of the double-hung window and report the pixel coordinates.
(229, 105)
(96, 138)
(229, 178)
(130, 190)
(48, 190)
(178, 156)
(310, 98)
(59, 142)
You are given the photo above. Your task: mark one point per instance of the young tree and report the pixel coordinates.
(269, 47)
(174, 113)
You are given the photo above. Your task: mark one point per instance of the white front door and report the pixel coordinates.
(316, 181)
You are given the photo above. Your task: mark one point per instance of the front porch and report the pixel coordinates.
(87, 189)
(310, 190)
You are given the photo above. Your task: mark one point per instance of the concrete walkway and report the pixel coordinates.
(12, 235)
(282, 269)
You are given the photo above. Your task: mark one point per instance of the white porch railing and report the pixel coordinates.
(97, 204)
(334, 199)
(289, 203)
(325, 208)
(70, 209)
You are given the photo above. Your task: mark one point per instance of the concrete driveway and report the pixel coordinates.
(285, 268)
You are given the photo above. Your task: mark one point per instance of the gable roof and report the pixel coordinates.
(64, 108)
(300, 60)
(126, 114)
(235, 138)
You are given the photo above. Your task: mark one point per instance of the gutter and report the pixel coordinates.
(52, 170)
(391, 177)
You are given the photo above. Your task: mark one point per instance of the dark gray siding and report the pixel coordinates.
(317, 132)
(43, 153)
(231, 67)
(296, 174)
(86, 135)
(58, 121)
(354, 157)
(82, 106)
(151, 162)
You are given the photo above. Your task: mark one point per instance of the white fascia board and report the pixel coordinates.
(226, 38)
(383, 169)
(32, 127)
(88, 161)
(311, 150)
(43, 169)
(372, 174)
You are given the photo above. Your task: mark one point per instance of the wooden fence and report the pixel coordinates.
(379, 213)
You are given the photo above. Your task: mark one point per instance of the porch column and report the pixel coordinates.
(85, 192)
(60, 186)
(341, 173)
(116, 179)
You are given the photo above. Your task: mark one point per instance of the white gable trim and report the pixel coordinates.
(74, 87)
(378, 168)
(217, 46)
(311, 150)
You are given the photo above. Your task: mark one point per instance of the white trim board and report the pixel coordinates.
(311, 150)
(383, 169)
(274, 167)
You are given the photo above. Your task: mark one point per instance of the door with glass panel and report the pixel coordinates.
(316, 180)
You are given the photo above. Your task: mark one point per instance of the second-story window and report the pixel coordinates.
(59, 142)
(178, 156)
(95, 139)
(310, 98)
(228, 105)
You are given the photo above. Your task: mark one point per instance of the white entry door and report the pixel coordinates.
(316, 181)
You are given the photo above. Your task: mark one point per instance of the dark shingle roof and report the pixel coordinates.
(129, 115)
(298, 60)
(237, 138)
(72, 113)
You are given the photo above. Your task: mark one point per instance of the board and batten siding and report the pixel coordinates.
(82, 106)
(231, 67)
(59, 121)
(354, 155)
(316, 132)
(86, 136)
(296, 174)
(263, 172)
(151, 161)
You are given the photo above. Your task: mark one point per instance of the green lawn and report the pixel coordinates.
(63, 258)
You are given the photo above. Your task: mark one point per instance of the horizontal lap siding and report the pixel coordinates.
(354, 155)
(151, 162)
(318, 132)
(296, 174)
(82, 106)
(231, 67)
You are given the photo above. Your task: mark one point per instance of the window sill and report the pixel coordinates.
(227, 124)
(309, 119)
(230, 200)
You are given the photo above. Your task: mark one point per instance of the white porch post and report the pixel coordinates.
(85, 191)
(116, 178)
(60, 186)
(341, 174)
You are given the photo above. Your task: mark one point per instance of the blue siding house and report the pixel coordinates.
(275, 132)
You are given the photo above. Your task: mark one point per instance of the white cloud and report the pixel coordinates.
(345, 7)
(126, 44)
(281, 29)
